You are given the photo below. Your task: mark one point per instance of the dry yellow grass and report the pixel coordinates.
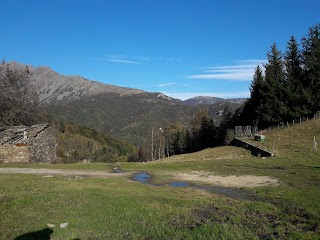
(225, 152)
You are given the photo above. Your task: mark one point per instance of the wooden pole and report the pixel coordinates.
(152, 155)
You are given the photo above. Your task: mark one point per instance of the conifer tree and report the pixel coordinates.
(311, 64)
(255, 102)
(273, 108)
(294, 91)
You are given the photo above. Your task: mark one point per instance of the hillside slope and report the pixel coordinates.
(212, 100)
(129, 116)
(125, 112)
(293, 141)
(55, 88)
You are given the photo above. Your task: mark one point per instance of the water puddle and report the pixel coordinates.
(142, 177)
(179, 184)
(235, 193)
(117, 170)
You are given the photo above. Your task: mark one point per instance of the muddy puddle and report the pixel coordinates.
(235, 193)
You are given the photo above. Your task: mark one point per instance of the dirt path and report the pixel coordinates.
(61, 172)
(193, 176)
(227, 181)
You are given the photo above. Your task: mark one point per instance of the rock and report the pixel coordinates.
(64, 225)
(50, 225)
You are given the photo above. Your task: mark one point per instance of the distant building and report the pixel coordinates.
(23, 144)
(220, 112)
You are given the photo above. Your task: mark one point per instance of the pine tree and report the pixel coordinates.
(273, 108)
(311, 64)
(294, 91)
(207, 133)
(255, 103)
(188, 142)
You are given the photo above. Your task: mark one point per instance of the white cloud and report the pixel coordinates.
(126, 57)
(239, 72)
(122, 61)
(252, 61)
(187, 95)
(232, 67)
(166, 84)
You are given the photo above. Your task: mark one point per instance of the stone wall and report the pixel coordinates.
(254, 150)
(23, 144)
(14, 153)
(43, 147)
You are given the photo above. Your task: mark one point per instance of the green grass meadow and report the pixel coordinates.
(120, 208)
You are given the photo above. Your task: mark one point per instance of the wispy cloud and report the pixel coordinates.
(241, 71)
(123, 59)
(187, 95)
(166, 84)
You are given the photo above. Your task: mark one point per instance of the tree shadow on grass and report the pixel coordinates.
(43, 234)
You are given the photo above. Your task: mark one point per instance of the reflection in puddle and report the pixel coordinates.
(142, 177)
(228, 192)
(179, 184)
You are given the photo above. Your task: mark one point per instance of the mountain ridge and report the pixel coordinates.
(53, 87)
(127, 113)
(211, 100)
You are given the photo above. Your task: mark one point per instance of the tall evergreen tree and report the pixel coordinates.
(294, 91)
(207, 133)
(311, 64)
(255, 101)
(273, 108)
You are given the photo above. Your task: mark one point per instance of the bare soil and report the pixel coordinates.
(227, 181)
(194, 176)
(62, 172)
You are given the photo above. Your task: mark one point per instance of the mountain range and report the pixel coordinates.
(125, 112)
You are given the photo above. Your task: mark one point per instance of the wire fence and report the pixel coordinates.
(289, 140)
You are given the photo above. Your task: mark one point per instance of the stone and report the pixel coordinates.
(64, 225)
(23, 144)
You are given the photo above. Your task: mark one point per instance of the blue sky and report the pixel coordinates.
(183, 48)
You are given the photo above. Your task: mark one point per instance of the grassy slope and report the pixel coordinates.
(122, 209)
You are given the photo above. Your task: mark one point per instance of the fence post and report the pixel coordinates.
(315, 144)
(272, 145)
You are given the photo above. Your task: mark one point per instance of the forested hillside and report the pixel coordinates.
(79, 143)
(19, 105)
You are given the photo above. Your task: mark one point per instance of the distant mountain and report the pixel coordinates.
(54, 88)
(124, 112)
(131, 117)
(212, 100)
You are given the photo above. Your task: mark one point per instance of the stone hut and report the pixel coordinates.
(27, 144)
